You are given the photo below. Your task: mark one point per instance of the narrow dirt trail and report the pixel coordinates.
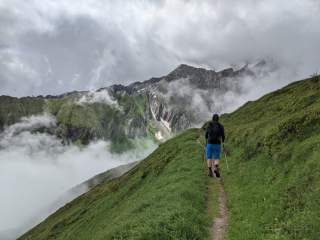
(220, 222)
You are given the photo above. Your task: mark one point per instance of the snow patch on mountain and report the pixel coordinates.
(159, 135)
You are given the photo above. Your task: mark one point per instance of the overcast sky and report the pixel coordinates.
(50, 47)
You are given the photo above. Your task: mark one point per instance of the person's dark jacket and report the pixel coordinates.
(215, 133)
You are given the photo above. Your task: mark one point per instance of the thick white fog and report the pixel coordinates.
(234, 93)
(36, 170)
(102, 96)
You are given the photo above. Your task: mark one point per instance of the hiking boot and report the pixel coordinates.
(217, 172)
(210, 174)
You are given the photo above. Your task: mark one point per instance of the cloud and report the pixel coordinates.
(233, 92)
(101, 96)
(58, 46)
(36, 170)
(28, 124)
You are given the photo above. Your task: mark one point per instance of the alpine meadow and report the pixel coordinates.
(159, 120)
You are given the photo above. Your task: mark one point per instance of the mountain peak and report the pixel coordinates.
(184, 68)
(184, 71)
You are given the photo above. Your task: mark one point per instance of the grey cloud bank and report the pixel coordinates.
(36, 169)
(50, 47)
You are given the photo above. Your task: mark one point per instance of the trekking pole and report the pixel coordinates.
(202, 153)
(225, 157)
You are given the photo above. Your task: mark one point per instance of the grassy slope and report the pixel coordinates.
(12, 109)
(163, 197)
(274, 185)
(82, 123)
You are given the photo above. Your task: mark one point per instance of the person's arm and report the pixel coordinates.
(222, 137)
(207, 135)
(222, 134)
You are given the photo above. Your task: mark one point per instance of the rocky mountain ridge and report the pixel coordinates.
(199, 77)
(157, 108)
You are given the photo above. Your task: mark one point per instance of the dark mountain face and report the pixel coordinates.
(157, 108)
(187, 96)
(198, 77)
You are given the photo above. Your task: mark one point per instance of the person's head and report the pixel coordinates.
(215, 117)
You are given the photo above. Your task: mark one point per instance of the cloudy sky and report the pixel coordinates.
(50, 47)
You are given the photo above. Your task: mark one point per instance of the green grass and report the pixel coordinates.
(12, 108)
(163, 197)
(81, 123)
(273, 189)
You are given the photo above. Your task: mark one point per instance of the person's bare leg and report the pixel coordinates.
(216, 167)
(210, 163)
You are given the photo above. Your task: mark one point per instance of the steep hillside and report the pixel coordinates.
(274, 184)
(163, 197)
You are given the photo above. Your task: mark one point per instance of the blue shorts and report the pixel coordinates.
(213, 151)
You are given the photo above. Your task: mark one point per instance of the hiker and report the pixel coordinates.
(214, 138)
